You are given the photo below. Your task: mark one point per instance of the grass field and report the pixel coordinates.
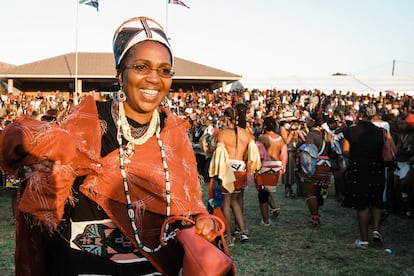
(290, 246)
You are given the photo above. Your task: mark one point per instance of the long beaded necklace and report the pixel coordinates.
(123, 127)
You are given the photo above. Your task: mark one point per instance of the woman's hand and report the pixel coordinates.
(206, 227)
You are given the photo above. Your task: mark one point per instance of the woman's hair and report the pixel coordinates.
(269, 124)
(231, 113)
(241, 113)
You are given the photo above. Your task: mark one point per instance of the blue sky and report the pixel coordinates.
(256, 39)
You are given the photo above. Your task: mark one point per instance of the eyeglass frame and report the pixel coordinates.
(150, 69)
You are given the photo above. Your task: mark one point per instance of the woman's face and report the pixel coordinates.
(144, 93)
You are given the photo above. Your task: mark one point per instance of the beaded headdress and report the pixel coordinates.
(136, 30)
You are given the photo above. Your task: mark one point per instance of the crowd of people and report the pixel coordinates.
(80, 161)
(295, 112)
(341, 131)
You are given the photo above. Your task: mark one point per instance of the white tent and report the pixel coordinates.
(344, 83)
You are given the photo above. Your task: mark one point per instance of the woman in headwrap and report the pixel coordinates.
(100, 187)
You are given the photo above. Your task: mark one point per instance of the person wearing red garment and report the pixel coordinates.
(100, 187)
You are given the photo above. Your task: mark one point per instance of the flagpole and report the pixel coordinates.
(166, 17)
(75, 97)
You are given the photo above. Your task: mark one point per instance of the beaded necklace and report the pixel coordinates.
(154, 126)
(124, 131)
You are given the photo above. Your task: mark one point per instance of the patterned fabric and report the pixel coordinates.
(237, 165)
(314, 167)
(103, 238)
(308, 154)
(322, 175)
(310, 160)
(268, 176)
(136, 30)
(227, 169)
(13, 182)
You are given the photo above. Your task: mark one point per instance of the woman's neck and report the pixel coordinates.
(141, 118)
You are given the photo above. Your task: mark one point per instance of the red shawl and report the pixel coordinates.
(75, 148)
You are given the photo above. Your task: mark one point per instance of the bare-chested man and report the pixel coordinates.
(229, 165)
(274, 158)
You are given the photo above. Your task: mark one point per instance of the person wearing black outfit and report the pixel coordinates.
(365, 174)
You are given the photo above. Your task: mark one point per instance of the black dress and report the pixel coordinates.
(365, 174)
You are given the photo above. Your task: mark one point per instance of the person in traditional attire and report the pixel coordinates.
(290, 130)
(236, 149)
(274, 156)
(315, 169)
(100, 188)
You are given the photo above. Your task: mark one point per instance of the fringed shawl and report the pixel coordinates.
(75, 149)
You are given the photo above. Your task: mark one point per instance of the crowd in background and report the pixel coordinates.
(332, 112)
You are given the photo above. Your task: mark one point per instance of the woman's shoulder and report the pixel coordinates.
(271, 136)
(244, 133)
(224, 133)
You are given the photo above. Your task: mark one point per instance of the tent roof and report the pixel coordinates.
(98, 72)
(344, 83)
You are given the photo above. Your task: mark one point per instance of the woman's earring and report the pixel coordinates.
(121, 95)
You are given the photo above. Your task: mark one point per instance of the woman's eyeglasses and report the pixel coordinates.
(145, 69)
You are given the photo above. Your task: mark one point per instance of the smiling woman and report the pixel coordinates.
(144, 88)
(113, 175)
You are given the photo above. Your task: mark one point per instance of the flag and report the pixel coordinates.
(92, 3)
(178, 2)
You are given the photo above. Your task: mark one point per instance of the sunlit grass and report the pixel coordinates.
(292, 247)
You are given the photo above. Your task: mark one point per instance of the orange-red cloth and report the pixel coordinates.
(410, 119)
(241, 180)
(75, 147)
(146, 179)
